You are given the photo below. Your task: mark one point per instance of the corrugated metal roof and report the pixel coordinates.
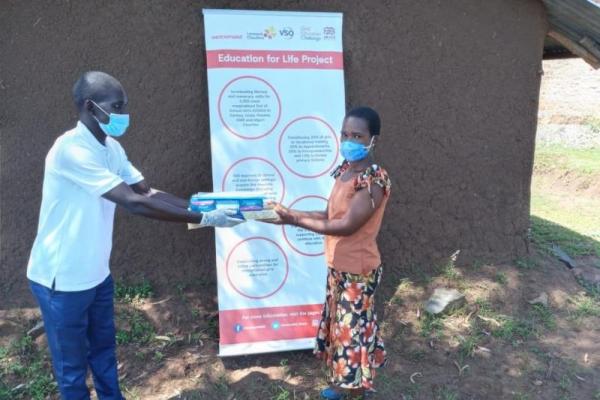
(574, 28)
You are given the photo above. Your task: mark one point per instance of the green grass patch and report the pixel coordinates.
(484, 308)
(446, 394)
(410, 392)
(545, 233)
(402, 287)
(526, 263)
(450, 272)
(416, 355)
(591, 289)
(569, 219)
(222, 386)
(467, 346)
(515, 330)
(585, 307)
(553, 157)
(129, 293)
(28, 370)
(133, 328)
(501, 278)
(544, 316)
(279, 392)
(431, 325)
(565, 383)
(448, 269)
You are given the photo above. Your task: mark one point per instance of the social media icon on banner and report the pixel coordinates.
(275, 325)
(238, 328)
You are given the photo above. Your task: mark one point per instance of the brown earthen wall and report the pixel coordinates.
(456, 84)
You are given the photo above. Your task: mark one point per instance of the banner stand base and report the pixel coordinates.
(273, 346)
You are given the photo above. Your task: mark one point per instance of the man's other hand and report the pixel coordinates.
(222, 218)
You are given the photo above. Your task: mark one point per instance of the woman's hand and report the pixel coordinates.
(286, 216)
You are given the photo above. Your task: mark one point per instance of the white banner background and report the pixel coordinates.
(276, 99)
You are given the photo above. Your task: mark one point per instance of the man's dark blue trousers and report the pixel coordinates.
(81, 333)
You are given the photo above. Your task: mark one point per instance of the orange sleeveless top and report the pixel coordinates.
(357, 253)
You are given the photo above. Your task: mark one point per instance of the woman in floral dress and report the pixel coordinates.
(348, 339)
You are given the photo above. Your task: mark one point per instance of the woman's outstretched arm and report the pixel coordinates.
(360, 210)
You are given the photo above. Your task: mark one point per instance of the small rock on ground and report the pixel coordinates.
(444, 300)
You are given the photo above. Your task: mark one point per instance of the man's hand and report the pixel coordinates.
(220, 218)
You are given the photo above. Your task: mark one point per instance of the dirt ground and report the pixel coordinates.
(497, 347)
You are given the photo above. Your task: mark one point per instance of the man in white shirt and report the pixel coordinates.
(86, 174)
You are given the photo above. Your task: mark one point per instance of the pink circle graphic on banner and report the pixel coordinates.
(258, 269)
(302, 240)
(254, 174)
(308, 147)
(249, 107)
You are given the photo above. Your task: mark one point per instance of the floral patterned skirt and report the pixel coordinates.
(348, 339)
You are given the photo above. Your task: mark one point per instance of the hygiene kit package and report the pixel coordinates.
(248, 205)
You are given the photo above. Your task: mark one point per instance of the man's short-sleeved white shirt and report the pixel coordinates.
(74, 237)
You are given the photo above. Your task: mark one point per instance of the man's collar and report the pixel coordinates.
(89, 137)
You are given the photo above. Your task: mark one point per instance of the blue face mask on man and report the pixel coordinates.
(352, 151)
(117, 123)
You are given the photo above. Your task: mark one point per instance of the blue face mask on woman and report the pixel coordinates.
(352, 151)
(117, 123)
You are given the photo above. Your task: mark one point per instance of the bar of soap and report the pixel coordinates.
(268, 214)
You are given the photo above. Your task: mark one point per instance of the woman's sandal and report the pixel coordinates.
(332, 394)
